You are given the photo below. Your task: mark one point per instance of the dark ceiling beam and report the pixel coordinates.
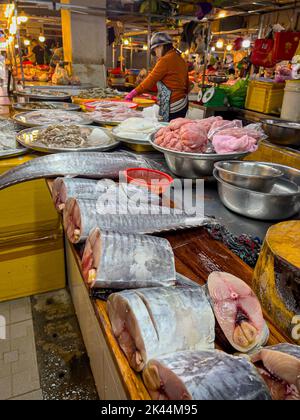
(98, 11)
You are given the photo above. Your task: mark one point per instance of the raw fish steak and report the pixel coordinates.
(238, 312)
(203, 375)
(122, 261)
(82, 216)
(280, 368)
(151, 322)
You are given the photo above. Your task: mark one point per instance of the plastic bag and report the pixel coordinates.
(151, 113)
(223, 125)
(237, 93)
(258, 128)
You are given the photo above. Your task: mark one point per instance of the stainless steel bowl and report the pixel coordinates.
(253, 176)
(194, 165)
(281, 203)
(282, 132)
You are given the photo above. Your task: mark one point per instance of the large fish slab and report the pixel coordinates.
(203, 375)
(122, 261)
(89, 189)
(81, 164)
(151, 322)
(238, 312)
(82, 216)
(65, 188)
(279, 366)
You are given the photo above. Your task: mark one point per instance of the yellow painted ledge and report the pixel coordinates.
(275, 154)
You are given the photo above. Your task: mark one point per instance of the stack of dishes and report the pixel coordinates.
(262, 191)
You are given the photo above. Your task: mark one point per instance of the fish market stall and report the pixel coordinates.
(118, 380)
(179, 246)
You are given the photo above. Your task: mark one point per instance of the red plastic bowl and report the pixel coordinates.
(156, 181)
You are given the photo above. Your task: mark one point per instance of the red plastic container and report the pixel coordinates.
(156, 181)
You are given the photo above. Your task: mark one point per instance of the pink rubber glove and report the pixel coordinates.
(131, 95)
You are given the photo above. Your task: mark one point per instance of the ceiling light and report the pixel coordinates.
(22, 18)
(220, 44)
(222, 15)
(229, 47)
(145, 47)
(246, 43)
(213, 49)
(42, 38)
(26, 42)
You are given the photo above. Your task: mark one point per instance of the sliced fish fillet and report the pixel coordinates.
(65, 188)
(203, 375)
(280, 368)
(81, 216)
(123, 261)
(151, 322)
(238, 312)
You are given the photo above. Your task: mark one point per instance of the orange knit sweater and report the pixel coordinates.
(172, 70)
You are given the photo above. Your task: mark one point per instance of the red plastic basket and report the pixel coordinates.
(156, 181)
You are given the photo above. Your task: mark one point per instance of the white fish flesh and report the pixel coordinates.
(122, 261)
(203, 376)
(279, 366)
(81, 164)
(152, 322)
(238, 312)
(81, 217)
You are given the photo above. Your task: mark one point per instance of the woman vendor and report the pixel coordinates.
(171, 76)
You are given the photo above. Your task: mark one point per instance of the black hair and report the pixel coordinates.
(231, 71)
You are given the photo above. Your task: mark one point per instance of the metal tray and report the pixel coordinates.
(60, 96)
(194, 165)
(63, 106)
(285, 133)
(22, 119)
(4, 154)
(282, 203)
(102, 123)
(26, 139)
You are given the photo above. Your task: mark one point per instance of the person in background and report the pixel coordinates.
(171, 76)
(39, 53)
(231, 74)
(58, 56)
(9, 67)
(48, 51)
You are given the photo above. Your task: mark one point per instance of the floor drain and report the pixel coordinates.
(49, 301)
(61, 375)
(54, 335)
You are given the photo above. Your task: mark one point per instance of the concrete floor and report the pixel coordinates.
(42, 355)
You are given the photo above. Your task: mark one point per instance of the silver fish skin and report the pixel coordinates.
(204, 376)
(81, 164)
(88, 189)
(134, 261)
(82, 215)
(152, 322)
